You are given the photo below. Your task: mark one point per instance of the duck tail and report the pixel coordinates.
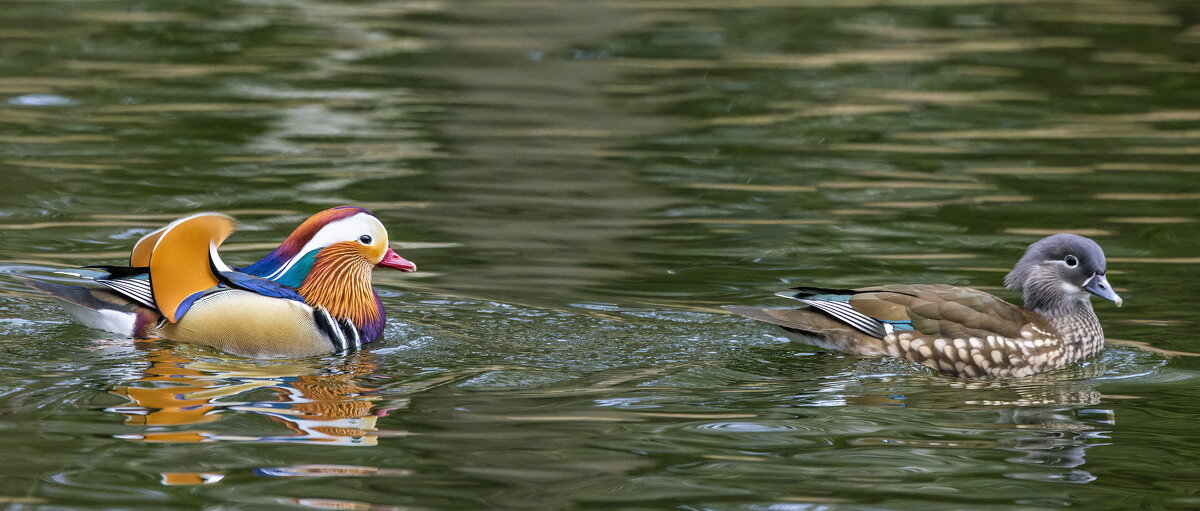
(100, 308)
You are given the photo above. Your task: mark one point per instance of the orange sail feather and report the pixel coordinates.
(180, 262)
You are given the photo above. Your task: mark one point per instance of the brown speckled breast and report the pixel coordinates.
(1036, 350)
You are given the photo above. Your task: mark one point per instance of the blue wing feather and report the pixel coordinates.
(897, 325)
(260, 285)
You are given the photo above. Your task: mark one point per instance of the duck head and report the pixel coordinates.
(1060, 272)
(354, 234)
(330, 257)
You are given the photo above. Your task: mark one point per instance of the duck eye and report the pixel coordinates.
(365, 239)
(1071, 261)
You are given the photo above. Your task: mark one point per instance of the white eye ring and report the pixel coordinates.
(1071, 261)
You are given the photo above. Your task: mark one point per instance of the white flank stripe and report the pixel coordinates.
(339, 340)
(845, 313)
(854, 318)
(137, 290)
(142, 293)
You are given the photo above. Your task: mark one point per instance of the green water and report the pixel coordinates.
(582, 185)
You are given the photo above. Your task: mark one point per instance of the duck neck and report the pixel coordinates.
(340, 283)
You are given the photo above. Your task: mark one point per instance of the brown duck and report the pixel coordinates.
(960, 331)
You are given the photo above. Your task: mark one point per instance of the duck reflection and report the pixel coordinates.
(317, 402)
(1060, 446)
(1055, 419)
(1051, 419)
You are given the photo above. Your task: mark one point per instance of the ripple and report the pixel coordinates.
(745, 427)
(330, 471)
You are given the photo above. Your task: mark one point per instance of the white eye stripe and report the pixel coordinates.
(341, 230)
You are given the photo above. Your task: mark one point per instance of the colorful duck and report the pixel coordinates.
(960, 331)
(312, 295)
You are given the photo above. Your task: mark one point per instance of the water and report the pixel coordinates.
(582, 185)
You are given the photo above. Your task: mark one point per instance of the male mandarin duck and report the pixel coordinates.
(312, 295)
(959, 331)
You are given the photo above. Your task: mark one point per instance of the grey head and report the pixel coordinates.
(1058, 272)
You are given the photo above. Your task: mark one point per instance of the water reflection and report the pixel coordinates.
(1056, 439)
(178, 392)
(1048, 420)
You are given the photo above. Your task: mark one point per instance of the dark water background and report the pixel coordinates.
(583, 184)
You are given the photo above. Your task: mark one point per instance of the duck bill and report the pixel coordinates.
(1099, 286)
(393, 260)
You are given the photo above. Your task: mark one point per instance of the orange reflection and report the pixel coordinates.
(318, 403)
(190, 478)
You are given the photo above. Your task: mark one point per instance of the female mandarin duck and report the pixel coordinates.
(963, 332)
(311, 295)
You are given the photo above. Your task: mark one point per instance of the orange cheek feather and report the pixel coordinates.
(340, 282)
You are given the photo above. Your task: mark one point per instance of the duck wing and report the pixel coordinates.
(938, 310)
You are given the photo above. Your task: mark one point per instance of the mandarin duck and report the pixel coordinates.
(312, 295)
(960, 331)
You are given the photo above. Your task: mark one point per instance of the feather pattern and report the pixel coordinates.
(276, 264)
(340, 283)
(136, 288)
(845, 313)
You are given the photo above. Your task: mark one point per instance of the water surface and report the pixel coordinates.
(582, 185)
